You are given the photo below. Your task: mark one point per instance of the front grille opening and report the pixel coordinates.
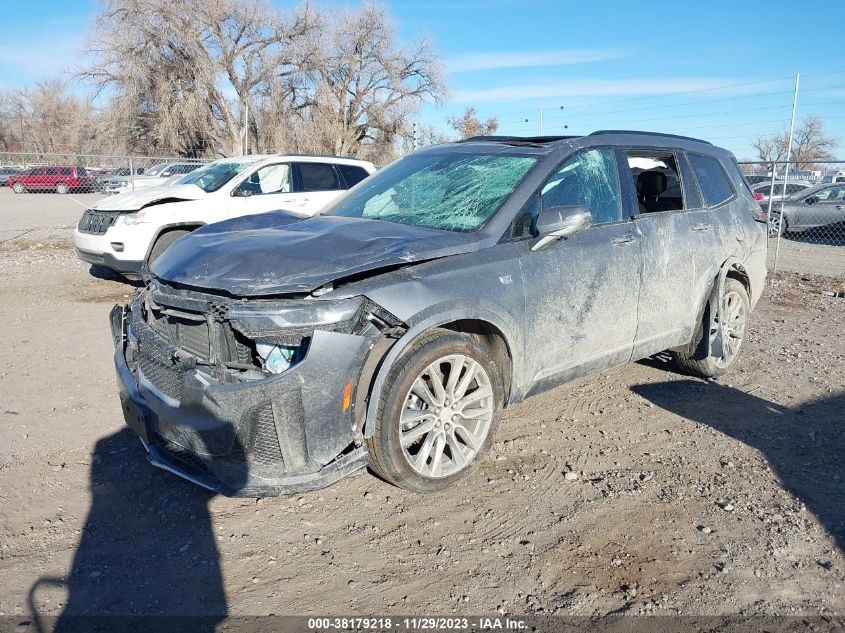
(97, 222)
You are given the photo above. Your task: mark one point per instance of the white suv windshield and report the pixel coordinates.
(448, 191)
(155, 169)
(212, 177)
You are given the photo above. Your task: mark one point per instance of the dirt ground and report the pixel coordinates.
(692, 497)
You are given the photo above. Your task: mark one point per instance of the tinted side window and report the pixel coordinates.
(66, 171)
(589, 179)
(712, 179)
(352, 174)
(52, 171)
(318, 177)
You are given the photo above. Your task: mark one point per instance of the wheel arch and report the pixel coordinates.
(169, 228)
(485, 326)
(731, 268)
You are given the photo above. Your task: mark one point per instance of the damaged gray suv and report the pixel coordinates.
(274, 354)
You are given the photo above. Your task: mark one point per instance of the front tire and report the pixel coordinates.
(438, 412)
(735, 309)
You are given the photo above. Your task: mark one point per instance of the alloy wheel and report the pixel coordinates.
(731, 319)
(446, 416)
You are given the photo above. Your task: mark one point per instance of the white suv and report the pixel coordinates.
(125, 231)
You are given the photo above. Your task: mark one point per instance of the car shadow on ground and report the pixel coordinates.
(804, 445)
(147, 556)
(100, 272)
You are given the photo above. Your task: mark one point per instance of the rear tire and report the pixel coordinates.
(163, 243)
(18, 187)
(438, 412)
(735, 308)
(61, 188)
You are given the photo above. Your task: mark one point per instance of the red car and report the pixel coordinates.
(58, 178)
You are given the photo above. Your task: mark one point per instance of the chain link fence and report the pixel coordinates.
(63, 174)
(805, 205)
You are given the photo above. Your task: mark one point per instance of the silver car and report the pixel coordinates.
(814, 207)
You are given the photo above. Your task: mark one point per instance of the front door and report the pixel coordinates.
(268, 188)
(581, 293)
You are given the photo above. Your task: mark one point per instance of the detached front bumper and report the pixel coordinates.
(281, 435)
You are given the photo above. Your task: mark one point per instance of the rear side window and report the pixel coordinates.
(712, 179)
(352, 174)
(66, 171)
(52, 171)
(657, 180)
(318, 177)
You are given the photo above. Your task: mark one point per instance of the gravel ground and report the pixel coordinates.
(638, 490)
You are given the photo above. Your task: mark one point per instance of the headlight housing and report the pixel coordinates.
(268, 321)
(130, 219)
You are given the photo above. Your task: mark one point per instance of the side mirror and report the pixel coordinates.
(242, 192)
(556, 223)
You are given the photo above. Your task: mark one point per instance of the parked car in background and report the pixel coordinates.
(277, 353)
(754, 179)
(151, 177)
(110, 177)
(762, 190)
(811, 208)
(5, 172)
(128, 230)
(58, 178)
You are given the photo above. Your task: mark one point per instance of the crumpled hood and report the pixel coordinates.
(281, 253)
(140, 198)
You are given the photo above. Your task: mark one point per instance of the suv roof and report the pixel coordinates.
(549, 140)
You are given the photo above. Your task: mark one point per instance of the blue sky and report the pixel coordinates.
(719, 70)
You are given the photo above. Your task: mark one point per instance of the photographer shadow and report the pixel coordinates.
(803, 445)
(147, 558)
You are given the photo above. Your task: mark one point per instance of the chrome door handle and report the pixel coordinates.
(624, 239)
(701, 227)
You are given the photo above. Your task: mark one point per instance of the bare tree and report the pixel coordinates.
(470, 125)
(366, 86)
(189, 71)
(809, 145)
(48, 118)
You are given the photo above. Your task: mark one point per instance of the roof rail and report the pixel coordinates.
(686, 138)
(533, 140)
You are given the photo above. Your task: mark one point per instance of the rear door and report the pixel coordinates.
(681, 247)
(318, 184)
(51, 177)
(581, 293)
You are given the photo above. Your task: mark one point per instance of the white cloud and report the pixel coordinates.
(525, 59)
(600, 88)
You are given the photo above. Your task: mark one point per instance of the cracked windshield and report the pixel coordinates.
(455, 192)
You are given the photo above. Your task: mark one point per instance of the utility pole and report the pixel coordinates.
(786, 169)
